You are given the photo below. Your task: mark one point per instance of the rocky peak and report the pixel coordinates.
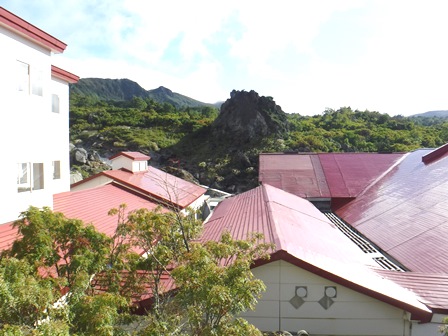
(247, 116)
(164, 90)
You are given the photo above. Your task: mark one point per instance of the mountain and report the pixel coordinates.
(430, 114)
(125, 89)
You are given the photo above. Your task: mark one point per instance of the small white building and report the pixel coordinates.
(34, 101)
(131, 171)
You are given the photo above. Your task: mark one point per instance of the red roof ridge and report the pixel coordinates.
(270, 217)
(30, 31)
(435, 154)
(136, 156)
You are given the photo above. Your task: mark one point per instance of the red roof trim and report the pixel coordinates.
(416, 314)
(64, 75)
(136, 156)
(25, 28)
(435, 154)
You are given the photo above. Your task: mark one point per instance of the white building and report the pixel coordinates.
(34, 103)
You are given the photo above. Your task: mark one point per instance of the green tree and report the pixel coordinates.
(216, 285)
(55, 255)
(103, 276)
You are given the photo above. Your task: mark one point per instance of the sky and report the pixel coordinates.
(380, 55)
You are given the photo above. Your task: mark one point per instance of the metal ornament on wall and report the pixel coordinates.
(297, 300)
(330, 292)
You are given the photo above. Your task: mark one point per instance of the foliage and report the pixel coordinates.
(55, 255)
(103, 276)
(186, 133)
(216, 285)
(444, 328)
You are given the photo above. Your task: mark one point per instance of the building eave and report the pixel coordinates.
(18, 25)
(64, 75)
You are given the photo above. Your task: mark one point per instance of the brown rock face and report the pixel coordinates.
(246, 116)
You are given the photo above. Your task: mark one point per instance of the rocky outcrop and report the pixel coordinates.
(247, 117)
(85, 162)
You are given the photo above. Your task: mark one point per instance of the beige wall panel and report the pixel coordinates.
(361, 310)
(346, 327)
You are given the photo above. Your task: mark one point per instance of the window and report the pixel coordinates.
(23, 177)
(38, 82)
(56, 170)
(142, 165)
(55, 103)
(30, 176)
(38, 176)
(23, 77)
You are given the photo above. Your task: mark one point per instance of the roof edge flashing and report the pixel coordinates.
(435, 154)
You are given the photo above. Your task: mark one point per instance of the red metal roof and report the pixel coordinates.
(406, 213)
(64, 75)
(325, 175)
(7, 235)
(163, 186)
(348, 174)
(136, 156)
(24, 28)
(292, 223)
(298, 174)
(142, 301)
(432, 288)
(92, 205)
(305, 237)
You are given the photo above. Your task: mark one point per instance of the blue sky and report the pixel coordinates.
(386, 56)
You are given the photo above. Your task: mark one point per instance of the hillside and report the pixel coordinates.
(431, 114)
(220, 148)
(125, 90)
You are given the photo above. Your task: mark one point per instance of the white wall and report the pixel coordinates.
(30, 131)
(351, 314)
(122, 162)
(428, 329)
(92, 183)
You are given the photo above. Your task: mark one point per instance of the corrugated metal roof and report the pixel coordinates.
(432, 288)
(303, 235)
(298, 174)
(143, 299)
(288, 221)
(406, 213)
(7, 235)
(325, 175)
(348, 174)
(160, 185)
(92, 205)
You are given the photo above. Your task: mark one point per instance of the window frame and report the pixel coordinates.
(55, 103)
(23, 80)
(56, 169)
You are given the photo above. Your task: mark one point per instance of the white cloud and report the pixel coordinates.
(308, 55)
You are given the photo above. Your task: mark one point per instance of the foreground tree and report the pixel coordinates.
(216, 285)
(53, 256)
(103, 275)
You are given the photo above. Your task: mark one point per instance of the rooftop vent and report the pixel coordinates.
(363, 243)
